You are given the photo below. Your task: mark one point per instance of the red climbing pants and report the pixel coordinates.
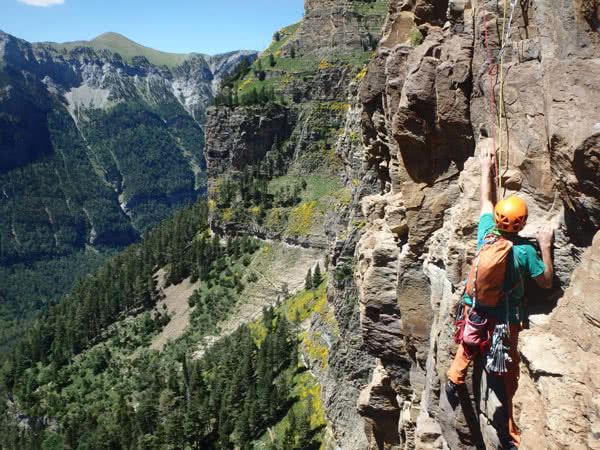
(460, 365)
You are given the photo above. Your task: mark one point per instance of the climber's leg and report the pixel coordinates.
(511, 383)
(458, 370)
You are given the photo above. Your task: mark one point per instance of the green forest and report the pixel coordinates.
(65, 187)
(84, 377)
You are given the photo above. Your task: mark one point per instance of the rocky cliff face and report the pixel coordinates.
(237, 138)
(426, 115)
(313, 64)
(331, 24)
(316, 129)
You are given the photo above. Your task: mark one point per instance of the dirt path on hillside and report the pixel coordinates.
(281, 265)
(279, 268)
(176, 300)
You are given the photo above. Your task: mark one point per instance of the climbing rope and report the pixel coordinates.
(506, 31)
(493, 77)
(505, 38)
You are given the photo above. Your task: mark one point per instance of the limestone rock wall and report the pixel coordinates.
(426, 115)
(239, 137)
(323, 114)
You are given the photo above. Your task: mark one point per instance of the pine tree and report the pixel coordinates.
(243, 427)
(294, 356)
(289, 439)
(253, 97)
(308, 281)
(186, 380)
(316, 280)
(303, 428)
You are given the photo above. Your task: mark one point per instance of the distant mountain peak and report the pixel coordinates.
(111, 35)
(127, 48)
(112, 39)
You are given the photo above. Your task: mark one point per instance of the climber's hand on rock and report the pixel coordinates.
(545, 236)
(487, 162)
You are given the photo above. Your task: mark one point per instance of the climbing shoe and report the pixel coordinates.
(452, 392)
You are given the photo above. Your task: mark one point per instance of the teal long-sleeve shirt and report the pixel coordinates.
(529, 264)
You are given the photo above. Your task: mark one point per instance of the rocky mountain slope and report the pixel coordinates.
(426, 116)
(88, 80)
(84, 136)
(289, 170)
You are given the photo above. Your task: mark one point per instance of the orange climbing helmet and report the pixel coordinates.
(510, 214)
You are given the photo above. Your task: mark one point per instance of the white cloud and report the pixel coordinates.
(43, 3)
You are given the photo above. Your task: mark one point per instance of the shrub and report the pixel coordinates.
(343, 274)
(415, 37)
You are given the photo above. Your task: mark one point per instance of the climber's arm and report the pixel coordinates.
(487, 163)
(545, 236)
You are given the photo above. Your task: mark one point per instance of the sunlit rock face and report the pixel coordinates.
(426, 116)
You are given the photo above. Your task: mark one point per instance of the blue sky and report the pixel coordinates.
(177, 26)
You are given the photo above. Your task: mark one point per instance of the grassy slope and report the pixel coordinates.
(118, 43)
(278, 269)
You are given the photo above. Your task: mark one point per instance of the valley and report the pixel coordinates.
(276, 263)
(96, 148)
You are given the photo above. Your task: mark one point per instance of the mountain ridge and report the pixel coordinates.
(128, 48)
(83, 140)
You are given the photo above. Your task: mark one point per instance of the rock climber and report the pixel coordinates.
(508, 217)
